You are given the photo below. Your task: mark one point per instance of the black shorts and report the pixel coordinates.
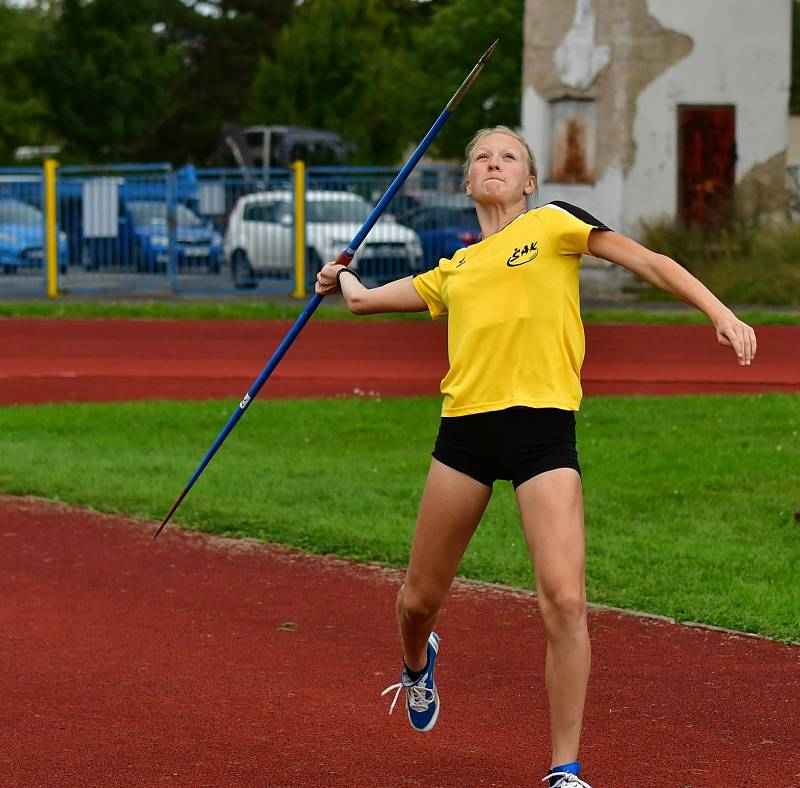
(514, 444)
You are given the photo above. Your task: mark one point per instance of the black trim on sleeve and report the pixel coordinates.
(579, 213)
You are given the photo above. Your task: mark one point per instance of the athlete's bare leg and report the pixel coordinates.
(551, 507)
(452, 506)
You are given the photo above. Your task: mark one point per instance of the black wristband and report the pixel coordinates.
(345, 270)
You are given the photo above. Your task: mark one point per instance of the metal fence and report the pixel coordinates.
(131, 228)
(22, 232)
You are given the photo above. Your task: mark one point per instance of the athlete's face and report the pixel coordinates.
(498, 170)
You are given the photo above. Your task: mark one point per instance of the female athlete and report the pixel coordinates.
(515, 347)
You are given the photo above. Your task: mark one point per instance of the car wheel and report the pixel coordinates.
(241, 271)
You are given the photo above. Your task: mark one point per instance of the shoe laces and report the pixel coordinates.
(568, 780)
(419, 696)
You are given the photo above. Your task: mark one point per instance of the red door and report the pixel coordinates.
(706, 164)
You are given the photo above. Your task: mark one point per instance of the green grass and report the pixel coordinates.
(183, 310)
(690, 500)
(283, 310)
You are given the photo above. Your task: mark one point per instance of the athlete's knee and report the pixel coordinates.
(416, 604)
(563, 608)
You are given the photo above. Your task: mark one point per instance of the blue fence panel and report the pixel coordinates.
(22, 232)
(134, 227)
(117, 222)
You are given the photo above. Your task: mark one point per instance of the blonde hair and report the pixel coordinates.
(479, 135)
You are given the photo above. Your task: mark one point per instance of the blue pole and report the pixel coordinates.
(344, 258)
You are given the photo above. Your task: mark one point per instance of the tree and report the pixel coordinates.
(107, 77)
(380, 73)
(220, 42)
(23, 109)
(459, 32)
(341, 66)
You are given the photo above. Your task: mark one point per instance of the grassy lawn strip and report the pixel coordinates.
(690, 500)
(276, 310)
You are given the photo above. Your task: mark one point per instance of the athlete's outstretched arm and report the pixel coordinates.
(397, 296)
(665, 273)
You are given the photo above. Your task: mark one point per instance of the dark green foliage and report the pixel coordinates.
(156, 79)
(23, 108)
(107, 77)
(340, 66)
(219, 57)
(381, 73)
(459, 33)
(150, 79)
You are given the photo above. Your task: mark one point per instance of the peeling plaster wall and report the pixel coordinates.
(741, 55)
(662, 53)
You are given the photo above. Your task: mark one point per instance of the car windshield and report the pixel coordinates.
(350, 211)
(156, 213)
(17, 212)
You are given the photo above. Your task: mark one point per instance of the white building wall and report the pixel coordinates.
(741, 56)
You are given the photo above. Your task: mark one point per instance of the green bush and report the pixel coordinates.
(744, 262)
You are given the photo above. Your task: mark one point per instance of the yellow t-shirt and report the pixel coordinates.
(515, 335)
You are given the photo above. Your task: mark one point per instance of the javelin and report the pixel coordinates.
(345, 258)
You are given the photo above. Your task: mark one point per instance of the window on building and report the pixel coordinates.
(572, 135)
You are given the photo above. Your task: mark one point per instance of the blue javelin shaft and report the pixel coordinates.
(345, 258)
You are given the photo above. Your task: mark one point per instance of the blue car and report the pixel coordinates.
(443, 230)
(197, 242)
(22, 237)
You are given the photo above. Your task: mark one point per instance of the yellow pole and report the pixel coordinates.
(299, 168)
(51, 231)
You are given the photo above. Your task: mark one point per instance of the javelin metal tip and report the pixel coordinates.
(171, 512)
(471, 77)
(488, 53)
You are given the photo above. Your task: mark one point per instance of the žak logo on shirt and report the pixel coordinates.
(523, 254)
(461, 262)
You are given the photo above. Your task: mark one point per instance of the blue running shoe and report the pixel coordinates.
(422, 698)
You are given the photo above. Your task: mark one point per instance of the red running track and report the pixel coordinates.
(97, 360)
(195, 661)
(201, 662)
